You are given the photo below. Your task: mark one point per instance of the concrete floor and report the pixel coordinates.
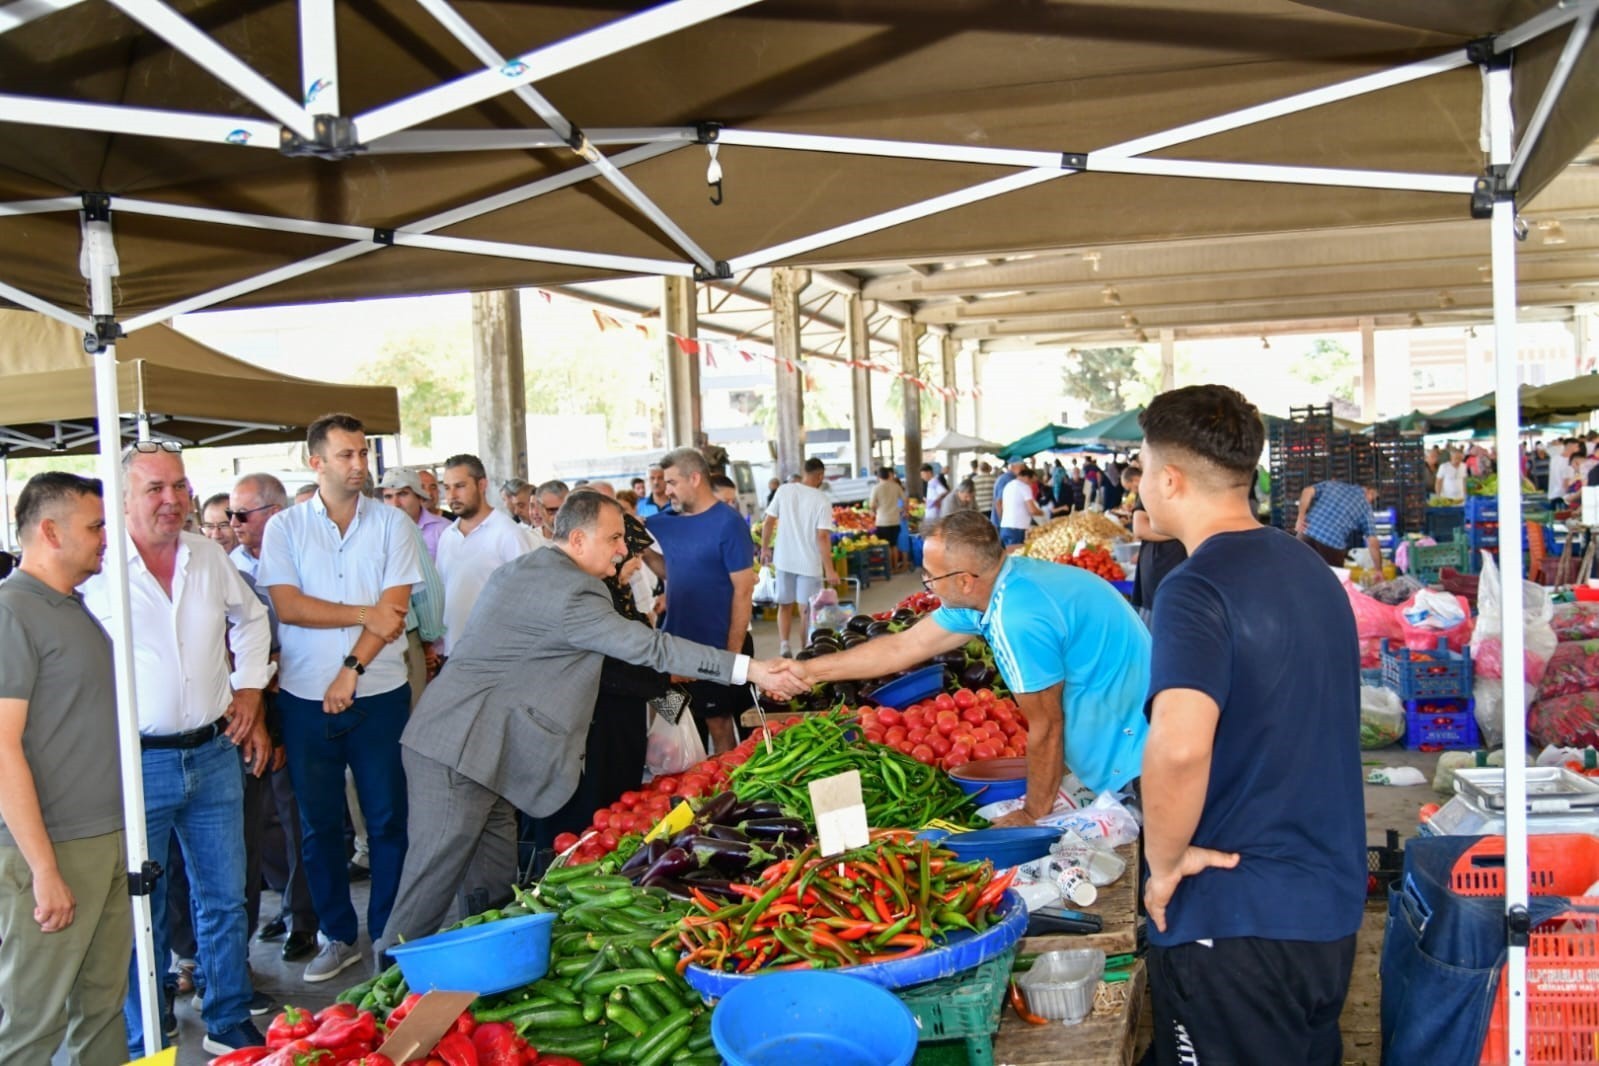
(1386, 808)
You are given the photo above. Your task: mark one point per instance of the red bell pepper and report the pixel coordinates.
(297, 1053)
(373, 1059)
(465, 1023)
(337, 1010)
(498, 1045)
(242, 1057)
(339, 1031)
(407, 1005)
(456, 1049)
(293, 1024)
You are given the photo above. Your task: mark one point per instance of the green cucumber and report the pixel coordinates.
(662, 1038)
(584, 1044)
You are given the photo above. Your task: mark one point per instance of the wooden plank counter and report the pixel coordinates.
(1116, 906)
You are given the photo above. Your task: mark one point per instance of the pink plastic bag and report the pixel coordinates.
(1374, 622)
(1566, 721)
(1425, 638)
(1574, 669)
(1576, 621)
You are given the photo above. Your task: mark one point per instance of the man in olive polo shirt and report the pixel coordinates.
(66, 928)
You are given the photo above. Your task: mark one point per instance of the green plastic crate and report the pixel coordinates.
(1426, 562)
(964, 1007)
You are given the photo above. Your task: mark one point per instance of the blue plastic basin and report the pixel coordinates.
(914, 686)
(992, 780)
(826, 1019)
(1003, 847)
(485, 959)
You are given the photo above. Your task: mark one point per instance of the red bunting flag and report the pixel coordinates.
(689, 345)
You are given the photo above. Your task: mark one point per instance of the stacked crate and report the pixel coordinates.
(1309, 449)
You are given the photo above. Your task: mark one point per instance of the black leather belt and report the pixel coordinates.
(192, 739)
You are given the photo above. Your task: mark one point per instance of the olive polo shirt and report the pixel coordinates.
(55, 655)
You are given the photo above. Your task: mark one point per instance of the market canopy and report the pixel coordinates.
(1574, 396)
(420, 156)
(1117, 431)
(186, 392)
(953, 440)
(1044, 439)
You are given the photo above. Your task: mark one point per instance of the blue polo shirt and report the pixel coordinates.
(1049, 623)
(702, 551)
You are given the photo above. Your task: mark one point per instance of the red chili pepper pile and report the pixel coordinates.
(344, 1036)
(886, 901)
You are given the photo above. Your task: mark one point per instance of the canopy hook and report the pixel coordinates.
(713, 174)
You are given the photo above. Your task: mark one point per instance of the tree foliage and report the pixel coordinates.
(432, 370)
(1109, 380)
(1327, 365)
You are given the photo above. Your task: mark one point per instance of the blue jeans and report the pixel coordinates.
(1007, 537)
(366, 738)
(198, 794)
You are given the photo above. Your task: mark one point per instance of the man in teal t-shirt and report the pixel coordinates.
(1067, 644)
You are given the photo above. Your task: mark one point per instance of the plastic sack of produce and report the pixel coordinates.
(1374, 621)
(673, 747)
(766, 586)
(1573, 669)
(1382, 717)
(1487, 650)
(1428, 615)
(1576, 621)
(1395, 592)
(1565, 720)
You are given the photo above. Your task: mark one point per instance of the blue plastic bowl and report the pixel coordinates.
(992, 780)
(782, 1019)
(1002, 847)
(485, 959)
(914, 686)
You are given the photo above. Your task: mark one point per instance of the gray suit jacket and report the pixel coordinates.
(511, 709)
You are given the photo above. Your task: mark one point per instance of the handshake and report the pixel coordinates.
(781, 679)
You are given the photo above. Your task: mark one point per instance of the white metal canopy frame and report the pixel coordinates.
(315, 126)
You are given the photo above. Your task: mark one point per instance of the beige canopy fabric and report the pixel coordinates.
(189, 392)
(1070, 76)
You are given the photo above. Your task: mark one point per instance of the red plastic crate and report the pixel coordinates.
(1563, 953)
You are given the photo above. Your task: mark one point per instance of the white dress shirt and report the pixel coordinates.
(181, 644)
(467, 559)
(246, 562)
(303, 547)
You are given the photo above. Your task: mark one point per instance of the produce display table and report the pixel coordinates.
(1116, 906)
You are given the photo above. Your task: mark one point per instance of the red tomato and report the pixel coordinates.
(895, 736)
(965, 698)
(1008, 704)
(667, 786)
(692, 785)
(956, 758)
(961, 749)
(984, 750)
(888, 716)
(963, 736)
(658, 803)
(874, 735)
(564, 841)
(608, 840)
(905, 747)
(630, 799)
(985, 695)
(939, 743)
(974, 715)
(950, 725)
(944, 702)
(915, 718)
(602, 819)
(1010, 727)
(916, 736)
(922, 753)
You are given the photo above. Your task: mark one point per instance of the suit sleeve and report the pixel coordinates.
(590, 622)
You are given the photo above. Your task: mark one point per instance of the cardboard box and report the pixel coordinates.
(429, 1020)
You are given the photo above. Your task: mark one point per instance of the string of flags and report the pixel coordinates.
(707, 348)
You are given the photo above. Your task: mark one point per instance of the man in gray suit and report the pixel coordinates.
(504, 725)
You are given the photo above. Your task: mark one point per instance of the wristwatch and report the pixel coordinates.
(352, 663)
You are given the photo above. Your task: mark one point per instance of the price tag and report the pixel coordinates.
(948, 827)
(677, 819)
(840, 813)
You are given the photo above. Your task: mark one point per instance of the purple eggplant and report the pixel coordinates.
(726, 832)
(717, 808)
(730, 856)
(673, 888)
(759, 809)
(772, 828)
(716, 887)
(978, 675)
(674, 862)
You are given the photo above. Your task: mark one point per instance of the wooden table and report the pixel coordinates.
(1103, 1039)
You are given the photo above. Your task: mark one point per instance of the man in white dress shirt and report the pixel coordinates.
(190, 609)
(481, 539)
(340, 570)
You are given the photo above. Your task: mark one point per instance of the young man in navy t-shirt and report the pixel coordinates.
(1254, 828)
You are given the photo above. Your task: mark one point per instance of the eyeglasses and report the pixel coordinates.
(928, 582)
(150, 447)
(244, 516)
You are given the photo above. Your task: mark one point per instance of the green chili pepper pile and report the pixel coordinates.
(887, 901)
(898, 790)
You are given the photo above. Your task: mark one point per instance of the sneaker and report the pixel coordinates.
(785, 650)
(335, 957)
(169, 1021)
(245, 1034)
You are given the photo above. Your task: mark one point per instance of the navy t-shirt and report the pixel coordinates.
(1257, 621)
(702, 552)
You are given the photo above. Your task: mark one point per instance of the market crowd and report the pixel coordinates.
(407, 683)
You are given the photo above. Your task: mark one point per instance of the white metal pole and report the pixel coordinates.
(319, 58)
(1507, 401)
(100, 268)
(5, 500)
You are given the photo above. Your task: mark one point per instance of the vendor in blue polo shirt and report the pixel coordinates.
(1333, 515)
(1067, 644)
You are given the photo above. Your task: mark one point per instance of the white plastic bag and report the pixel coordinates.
(766, 586)
(1382, 717)
(673, 746)
(1403, 776)
(1433, 610)
(1487, 639)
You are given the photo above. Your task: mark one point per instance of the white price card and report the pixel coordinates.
(840, 813)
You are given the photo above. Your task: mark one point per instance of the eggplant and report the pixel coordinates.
(772, 828)
(716, 887)
(855, 640)
(674, 888)
(823, 631)
(684, 837)
(878, 629)
(858, 624)
(717, 808)
(729, 856)
(903, 614)
(674, 862)
(762, 809)
(639, 861)
(978, 675)
(825, 647)
(848, 692)
(956, 659)
(803, 655)
(726, 832)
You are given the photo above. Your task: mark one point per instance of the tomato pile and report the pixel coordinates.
(1097, 561)
(918, 604)
(637, 812)
(951, 729)
(854, 520)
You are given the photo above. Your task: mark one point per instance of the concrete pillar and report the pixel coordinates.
(787, 284)
(910, 336)
(497, 380)
(1584, 345)
(1168, 360)
(1368, 370)
(949, 348)
(860, 381)
(979, 357)
(680, 318)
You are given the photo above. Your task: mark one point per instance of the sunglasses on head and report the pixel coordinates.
(150, 447)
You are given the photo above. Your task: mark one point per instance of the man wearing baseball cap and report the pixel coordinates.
(402, 487)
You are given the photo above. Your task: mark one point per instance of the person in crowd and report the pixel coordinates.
(1018, 508)
(1158, 555)
(214, 524)
(1245, 807)
(66, 929)
(964, 498)
(1009, 474)
(1093, 485)
(1434, 459)
(934, 491)
(710, 584)
(1131, 477)
(193, 615)
(983, 488)
(304, 493)
(657, 501)
(550, 496)
(1066, 643)
(797, 539)
(888, 507)
(1450, 481)
(1579, 463)
(340, 571)
(771, 489)
(1333, 515)
(403, 488)
(638, 487)
(516, 497)
(715, 455)
(1111, 494)
(474, 547)
(254, 500)
(430, 486)
(1560, 467)
(8, 563)
(1058, 493)
(726, 491)
(505, 726)
(629, 501)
